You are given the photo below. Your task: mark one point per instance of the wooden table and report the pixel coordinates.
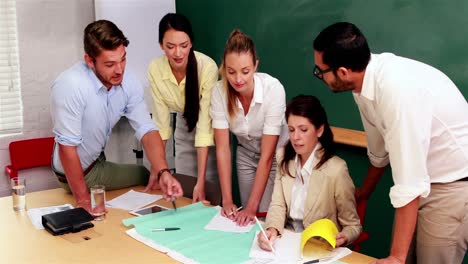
(349, 137)
(20, 242)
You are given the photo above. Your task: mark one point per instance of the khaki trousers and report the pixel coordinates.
(442, 230)
(114, 176)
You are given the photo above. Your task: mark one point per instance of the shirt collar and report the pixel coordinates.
(258, 93)
(310, 162)
(166, 71)
(166, 68)
(97, 84)
(258, 90)
(368, 87)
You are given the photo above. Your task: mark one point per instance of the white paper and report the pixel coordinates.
(335, 254)
(287, 249)
(132, 200)
(35, 214)
(221, 223)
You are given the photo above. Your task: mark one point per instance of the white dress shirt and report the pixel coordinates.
(265, 115)
(300, 189)
(416, 119)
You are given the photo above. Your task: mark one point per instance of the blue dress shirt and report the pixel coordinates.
(84, 111)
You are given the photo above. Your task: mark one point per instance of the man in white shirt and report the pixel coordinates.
(415, 119)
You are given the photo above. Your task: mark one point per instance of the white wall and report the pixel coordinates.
(50, 36)
(139, 20)
(49, 33)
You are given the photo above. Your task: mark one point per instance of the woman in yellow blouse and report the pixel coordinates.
(181, 81)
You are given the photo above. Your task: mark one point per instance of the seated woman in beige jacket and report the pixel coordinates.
(311, 181)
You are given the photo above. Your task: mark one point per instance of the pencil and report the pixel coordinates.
(263, 232)
(237, 210)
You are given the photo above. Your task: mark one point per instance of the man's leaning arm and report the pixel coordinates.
(155, 151)
(374, 174)
(75, 177)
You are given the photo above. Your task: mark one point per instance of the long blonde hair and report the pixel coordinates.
(237, 42)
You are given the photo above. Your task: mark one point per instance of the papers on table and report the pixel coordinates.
(316, 249)
(192, 241)
(35, 214)
(221, 223)
(132, 200)
(286, 247)
(288, 250)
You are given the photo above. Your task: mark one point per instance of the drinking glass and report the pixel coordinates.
(18, 192)
(98, 202)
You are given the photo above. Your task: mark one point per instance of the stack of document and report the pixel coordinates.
(302, 247)
(288, 250)
(191, 242)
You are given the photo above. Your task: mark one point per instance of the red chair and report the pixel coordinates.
(29, 153)
(261, 214)
(361, 210)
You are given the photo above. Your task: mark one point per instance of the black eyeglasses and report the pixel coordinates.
(319, 73)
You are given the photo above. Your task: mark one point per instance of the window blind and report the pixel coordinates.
(11, 112)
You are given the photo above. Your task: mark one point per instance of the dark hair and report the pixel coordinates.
(192, 90)
(102, 35)
(237, 42)
(309, 107)
(343, 45)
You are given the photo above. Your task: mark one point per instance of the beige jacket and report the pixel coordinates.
(330, 195)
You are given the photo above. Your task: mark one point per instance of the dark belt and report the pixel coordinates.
(463, 179)
(63, 179)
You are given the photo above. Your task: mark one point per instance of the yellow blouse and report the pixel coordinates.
(170, 96)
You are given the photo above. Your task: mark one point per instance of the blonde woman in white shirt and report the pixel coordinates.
(251, 105)
(311, 181)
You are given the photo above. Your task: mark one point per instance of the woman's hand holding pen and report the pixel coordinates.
(265, 244)
(229, 210)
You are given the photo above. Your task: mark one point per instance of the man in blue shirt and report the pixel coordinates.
(87, 100)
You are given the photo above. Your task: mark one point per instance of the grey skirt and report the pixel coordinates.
(186, 152)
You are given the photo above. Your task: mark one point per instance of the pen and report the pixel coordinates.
(311, 261)
(173, 203)
(317, 260)
(263, 232)
(165, 229)
(237, 210)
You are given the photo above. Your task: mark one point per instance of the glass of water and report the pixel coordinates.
(98, 202)
(18, 192)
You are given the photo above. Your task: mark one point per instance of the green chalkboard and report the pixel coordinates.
(432, 31)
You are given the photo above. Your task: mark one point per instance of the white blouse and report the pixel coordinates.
(265, 115)
(299, 190)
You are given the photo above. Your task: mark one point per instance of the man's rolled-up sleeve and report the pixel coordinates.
(136, 110)
(67, 105)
